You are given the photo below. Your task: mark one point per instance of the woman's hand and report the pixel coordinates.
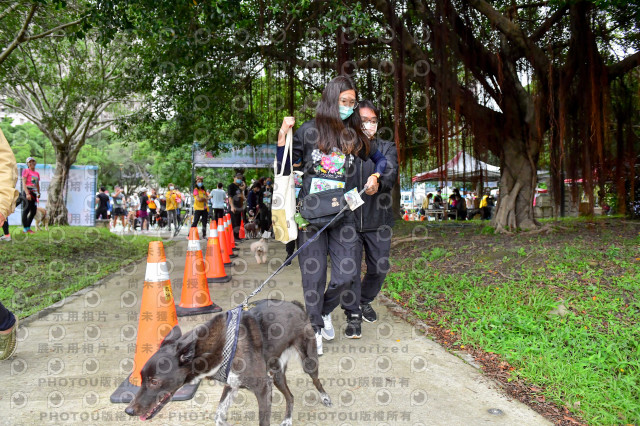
(287, 124)
(371, 185)
(29, 196)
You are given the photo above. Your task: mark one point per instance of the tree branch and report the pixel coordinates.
(53, 30)
(19, 38)
(514, 33)
(549, 22)
(624, 66)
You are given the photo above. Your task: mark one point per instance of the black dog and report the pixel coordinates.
(270, 333)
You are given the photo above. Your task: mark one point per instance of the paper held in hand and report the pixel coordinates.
(353, 199)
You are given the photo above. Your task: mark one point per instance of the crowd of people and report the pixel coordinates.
(458, 206)
(169, 208)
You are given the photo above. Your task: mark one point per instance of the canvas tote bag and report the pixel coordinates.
(283, 207)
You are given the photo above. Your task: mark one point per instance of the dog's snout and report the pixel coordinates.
(130, 411)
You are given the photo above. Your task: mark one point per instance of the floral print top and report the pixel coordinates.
(330, 166)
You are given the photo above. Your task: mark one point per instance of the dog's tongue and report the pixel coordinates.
(143, 418)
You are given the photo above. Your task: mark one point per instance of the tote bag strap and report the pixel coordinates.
(288, 153)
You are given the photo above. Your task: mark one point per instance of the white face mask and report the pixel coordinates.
(369, 129)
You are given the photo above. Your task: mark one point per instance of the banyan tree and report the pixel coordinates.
(551, 82)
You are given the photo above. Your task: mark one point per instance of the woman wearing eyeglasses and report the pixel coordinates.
(328, 147)
(374, 220)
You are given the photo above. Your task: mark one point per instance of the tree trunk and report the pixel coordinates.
(395, 201)
(517, 185)
(56, 197)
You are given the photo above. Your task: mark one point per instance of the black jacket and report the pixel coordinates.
(377, 209)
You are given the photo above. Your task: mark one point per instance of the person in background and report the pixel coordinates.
(218, 199)
(180, 200)
(237, 196)
(253, 200)
(102, 202)
(486, 205)
(374, 220)
(425, 205)
(31, 189)
(437, 199)
(143, 214)
(461, 207)
(200, 206)
(109, 207)
(469, 197)
(153, 208)
(264, 208)
(8, 196)
(118, 206)
(452, 206)
(172, 208)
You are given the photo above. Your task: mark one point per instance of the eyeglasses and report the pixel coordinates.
(349, 102)
(371, 120)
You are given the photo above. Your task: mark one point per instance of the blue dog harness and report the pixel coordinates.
(230, 344)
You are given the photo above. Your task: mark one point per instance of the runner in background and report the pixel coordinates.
(31, 189)
(118, 206)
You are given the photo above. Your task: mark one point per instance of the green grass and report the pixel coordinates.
(500, 301)
(41, 269)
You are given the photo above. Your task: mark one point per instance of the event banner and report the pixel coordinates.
(247, 157)
(80, 193)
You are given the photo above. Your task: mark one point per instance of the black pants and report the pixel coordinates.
(486, 213)
(5, 227)
(291, 247)
(264, 219)
(219, 214)
(339, 242)
(101, 214)
(6, 318)
(29, 211)
(376, 245)
(236, 218)
(200, 214)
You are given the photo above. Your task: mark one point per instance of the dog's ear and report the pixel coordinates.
(173, 336)
(186, 351)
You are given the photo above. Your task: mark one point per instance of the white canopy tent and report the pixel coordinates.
(461, 167)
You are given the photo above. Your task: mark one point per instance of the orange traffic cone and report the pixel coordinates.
(215, 271)
(241, 233)
(157, 318)
(224, 250)
(228, 232)
(195, 299)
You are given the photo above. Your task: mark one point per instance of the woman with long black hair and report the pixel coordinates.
(328, 146)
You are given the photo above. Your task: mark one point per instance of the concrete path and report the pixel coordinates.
(72, 356)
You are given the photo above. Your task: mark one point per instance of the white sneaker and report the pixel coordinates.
(328, 332)
(5, 238)
(319, 343)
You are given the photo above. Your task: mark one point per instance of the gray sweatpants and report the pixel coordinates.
(172, 217)
(339, 242)
(376, 245)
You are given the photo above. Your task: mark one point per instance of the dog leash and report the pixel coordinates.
(234, 316)
(244, 304)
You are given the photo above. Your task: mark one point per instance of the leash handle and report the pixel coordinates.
(295, 253)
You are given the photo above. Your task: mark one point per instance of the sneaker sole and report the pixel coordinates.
(325, 337)
(353, 337)
(370, 322)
